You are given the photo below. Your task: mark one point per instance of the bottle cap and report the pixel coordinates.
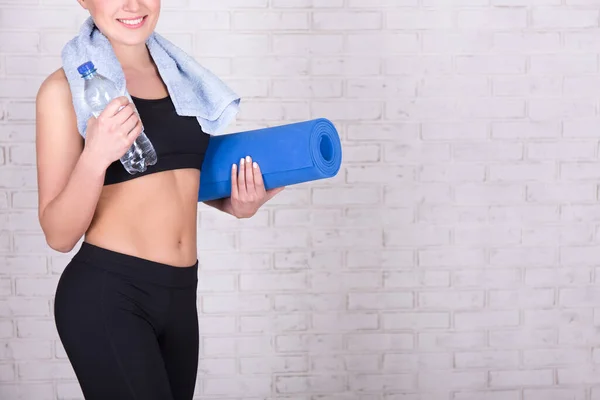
(86, 68)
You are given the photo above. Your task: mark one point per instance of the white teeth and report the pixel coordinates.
(132, 21)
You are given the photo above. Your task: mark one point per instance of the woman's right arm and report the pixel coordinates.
(70, 172)
(69, 182)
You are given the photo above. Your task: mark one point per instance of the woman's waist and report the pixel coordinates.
(167, 236)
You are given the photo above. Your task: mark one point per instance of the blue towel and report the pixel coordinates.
(194, 90)
(287, 155)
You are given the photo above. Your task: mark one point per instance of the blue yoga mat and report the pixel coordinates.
(287, 155)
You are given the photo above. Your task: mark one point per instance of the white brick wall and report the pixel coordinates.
(453, 258)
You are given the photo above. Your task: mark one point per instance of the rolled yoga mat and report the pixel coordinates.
(287, 155)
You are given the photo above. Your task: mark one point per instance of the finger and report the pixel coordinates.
(249, 177)
(234, 182)
(124, 114)
(135, 132)
(128, 125)
(259, 184)
(242, 180)
(115, 105)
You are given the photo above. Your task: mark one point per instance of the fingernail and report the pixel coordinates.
(248, 158)
(233, 166)
(255, 165)
(242, 161)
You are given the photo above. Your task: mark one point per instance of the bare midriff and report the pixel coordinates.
(152, 217)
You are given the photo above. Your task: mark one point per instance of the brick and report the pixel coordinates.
(408, 279)
(338, 363)
(486, 278)
(39, 391)
(488, 395)
(554, 393)
(339, 20)
(456, 42)
(456, 300)
(276, 364)
(24, 307)
(420, 235)
(311, 89)
(237, 303)
(445, 341)
(44, 287)
(410, 194)
(309, 302)
(378, 88)
(487, 235)
(36, 328)
(380, 259)
(451, 214)
(453, 379)
(525, 42)
(345, 322)
(319, 343)
(324, 282)
(281, 281)
(486, 359)
(248, 260)
(547, 108)
(208, 283)
(486, 319)
(380, 301)
(444, 257)
(51, 370)
(6, 329)
(521, 298)
(273, 323)
(378, 43)
(557, 276)
(310, 384)
(306, 44)
(354, 238)
(558, 17)
(527, 86)
(347, 66)
(515, 257)
(521, 378)
(19, 42)
(274, 238)
(239, 345)
(417, 321)
(227, 44)
(521, 339)
(324, 259)
(380, 341)
(217, 366)
(272, 21)
(237, 386)
(25, 350)
(396, 382)
(217, 324)
(542, 192)
(414, 362)
(552, 357)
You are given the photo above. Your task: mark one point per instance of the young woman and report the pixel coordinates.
(125, 306)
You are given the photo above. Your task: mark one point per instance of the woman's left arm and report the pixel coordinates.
(248, 192)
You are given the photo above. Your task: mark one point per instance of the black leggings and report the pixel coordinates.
(129, 325)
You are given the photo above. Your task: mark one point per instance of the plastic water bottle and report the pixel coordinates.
(98, 92)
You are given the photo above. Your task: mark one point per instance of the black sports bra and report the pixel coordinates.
(179, 141)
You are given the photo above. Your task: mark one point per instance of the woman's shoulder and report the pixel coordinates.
(54, 88)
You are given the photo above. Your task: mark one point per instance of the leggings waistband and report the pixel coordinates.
(136, 267)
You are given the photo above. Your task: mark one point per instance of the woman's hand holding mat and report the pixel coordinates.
(248, 191)
(287, 155)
